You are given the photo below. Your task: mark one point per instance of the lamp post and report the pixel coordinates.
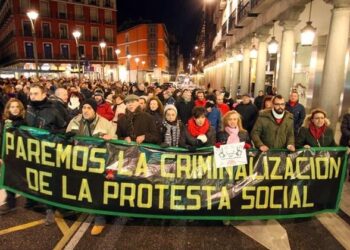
(117, 52)
(129, 57)
(77, 35)
(33, 15)
(137, 60)
(103, 46)
(308, 32)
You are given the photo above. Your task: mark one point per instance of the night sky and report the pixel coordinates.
(181, 17)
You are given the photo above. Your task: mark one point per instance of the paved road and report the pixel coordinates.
(24, 229)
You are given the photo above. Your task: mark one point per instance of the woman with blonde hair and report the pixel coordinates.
(13, 116)
(233, 131)
(316, 131)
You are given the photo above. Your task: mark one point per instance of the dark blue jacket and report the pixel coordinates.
(214, 118)
(298, 112)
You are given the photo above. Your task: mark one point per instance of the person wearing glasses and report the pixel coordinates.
(274, 127)
(315, 131)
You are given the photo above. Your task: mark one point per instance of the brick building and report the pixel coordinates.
(148, 43)
(57, 52)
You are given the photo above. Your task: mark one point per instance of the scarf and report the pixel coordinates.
(233, 135)
(172, 133)
(317, 132)
(196, 130)
(292, 104)
(278, 117)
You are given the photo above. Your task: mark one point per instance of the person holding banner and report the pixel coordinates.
(173, 129)
(274, 127)
(315, 131)
(89, 123)
(199, 133)
(13, 116)
(233, 131)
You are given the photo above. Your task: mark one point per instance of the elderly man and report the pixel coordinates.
(248, 111)
(137, 125)
(60, 100)
(274, 127)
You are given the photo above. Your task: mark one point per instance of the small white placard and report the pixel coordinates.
(230, 155)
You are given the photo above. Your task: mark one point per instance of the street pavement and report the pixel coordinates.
(25, 229)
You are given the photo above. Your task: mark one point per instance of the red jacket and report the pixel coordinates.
(198, 103)
(224, 108)
(105, 110)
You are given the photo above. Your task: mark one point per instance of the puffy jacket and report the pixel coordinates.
(267, 132)
(105, 110)
(298, 112)
(138, 123)
(98, 127)
(44, 115)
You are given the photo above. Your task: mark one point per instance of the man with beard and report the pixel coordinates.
(274, 128)
(136, 125)
(41, 113)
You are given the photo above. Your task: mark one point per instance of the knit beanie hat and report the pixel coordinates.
(169, 106)
(99, 92)
(92, 103)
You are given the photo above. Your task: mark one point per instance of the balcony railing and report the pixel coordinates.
(245, 9)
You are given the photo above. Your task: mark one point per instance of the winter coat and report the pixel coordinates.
(98, 127)
(136, 124)
(249, 113)
(119, 109)
(166, 132)
(193, 141)
(223, 136)
(214, 118)
(306, 138)
(198, 103)
(105, 110)
(61, 107)
(45, 116)
(267, 132)
(345, 131)
(258, 101)
(298, 112)
(184, 110)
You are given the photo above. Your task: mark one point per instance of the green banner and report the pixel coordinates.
(116, 178)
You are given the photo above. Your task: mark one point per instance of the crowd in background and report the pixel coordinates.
(164, 115)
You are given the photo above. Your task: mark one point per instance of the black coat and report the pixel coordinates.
(345, 131)
(138, 123)
(258, 101)
(184, 110)
(45, 116)
(305, 138)
(222, 137)
(192, 141)
(62, 108)
(249, 113)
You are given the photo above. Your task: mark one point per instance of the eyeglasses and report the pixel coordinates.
(279, 104)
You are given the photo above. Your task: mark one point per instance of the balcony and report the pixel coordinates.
(245, 13)
(219, 40)
(259, 6)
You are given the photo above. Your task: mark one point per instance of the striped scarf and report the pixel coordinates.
(172, 134)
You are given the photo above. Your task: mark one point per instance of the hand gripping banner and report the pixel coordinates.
(115, 178)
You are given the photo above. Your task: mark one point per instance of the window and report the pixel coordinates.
(24, 5)
(81, 29)
(79, 13)
(94, 33)
(46, 30)
(81, 50)
(126, 37)
(107, 3)
(109, 34)
(93, 2)
(44, 8)
(93, 15)
(47, 50)
(127, 50)
(27, 29)
(64, 51)
(63, 31)
(29, 49)
(108, 17)
(62, 10)
(152, 47)
(95, 53)
(109, 53)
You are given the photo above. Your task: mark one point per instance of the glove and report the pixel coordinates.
(74, 103)
(202, 138)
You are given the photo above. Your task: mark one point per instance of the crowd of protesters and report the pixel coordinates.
(163, 115)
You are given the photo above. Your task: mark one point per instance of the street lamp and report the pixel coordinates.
(137, 60)
(273, 44)
(117, 52)
(77, 35)
(129, 57)
(103, 46)
(33, 15)
(308, 32)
